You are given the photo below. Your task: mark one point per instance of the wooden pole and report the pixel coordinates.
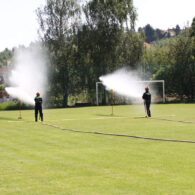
(20, 114)
(112, 100)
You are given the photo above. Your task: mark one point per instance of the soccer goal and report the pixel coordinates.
(157, 87)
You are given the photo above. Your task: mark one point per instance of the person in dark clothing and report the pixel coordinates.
(147, 101)
(38, 106)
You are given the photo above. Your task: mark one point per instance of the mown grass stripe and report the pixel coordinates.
(122, 135)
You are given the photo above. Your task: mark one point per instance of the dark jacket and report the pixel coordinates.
(38, 102)
(147, 97)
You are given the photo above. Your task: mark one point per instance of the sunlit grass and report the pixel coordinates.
(38, 159)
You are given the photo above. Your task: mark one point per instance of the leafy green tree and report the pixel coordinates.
(183, 80)
(131, 50)
(107, 21)
(173, 60)
(5, 56)
(156, 58)
(193, 28)
(58, 25)
(192, 34)
(80, 55)
(179, 73)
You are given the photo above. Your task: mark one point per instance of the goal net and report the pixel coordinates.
(157, 89)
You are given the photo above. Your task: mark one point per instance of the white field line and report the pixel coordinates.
(75, 119)
(16, 121)
(103, 118)
(98, 118)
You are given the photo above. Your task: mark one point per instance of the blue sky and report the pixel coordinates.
(19, 22)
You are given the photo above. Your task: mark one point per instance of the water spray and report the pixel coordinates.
(124, 82)
(28, 74)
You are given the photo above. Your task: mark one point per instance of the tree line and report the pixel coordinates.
(82, 52)
(88, 41)
(154, 35)
(173, 60)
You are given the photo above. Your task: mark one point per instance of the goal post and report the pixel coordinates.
(149, 81)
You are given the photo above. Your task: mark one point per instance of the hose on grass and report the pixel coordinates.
(121, 135)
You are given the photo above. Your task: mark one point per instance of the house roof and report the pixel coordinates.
(3, 69)
(147, 45)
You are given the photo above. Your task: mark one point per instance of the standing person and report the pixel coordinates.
(38, 106)
(147, 101)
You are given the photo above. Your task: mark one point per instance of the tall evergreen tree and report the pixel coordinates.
(150, 33)
(193, 28)
(177, 29)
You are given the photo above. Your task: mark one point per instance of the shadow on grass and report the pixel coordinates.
(109, 115)
(15, 120)
(8, 119)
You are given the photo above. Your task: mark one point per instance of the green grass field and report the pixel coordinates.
(40, 159)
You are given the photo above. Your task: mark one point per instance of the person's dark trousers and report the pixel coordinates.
(148, 109)
(38, 109)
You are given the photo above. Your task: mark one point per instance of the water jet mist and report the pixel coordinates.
(124, 82)
(28, 75)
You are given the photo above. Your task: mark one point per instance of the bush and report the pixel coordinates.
(2, 87)
(53, 102)
(14, 106)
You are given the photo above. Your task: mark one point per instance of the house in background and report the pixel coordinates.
(147, 45)
(169, 33)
